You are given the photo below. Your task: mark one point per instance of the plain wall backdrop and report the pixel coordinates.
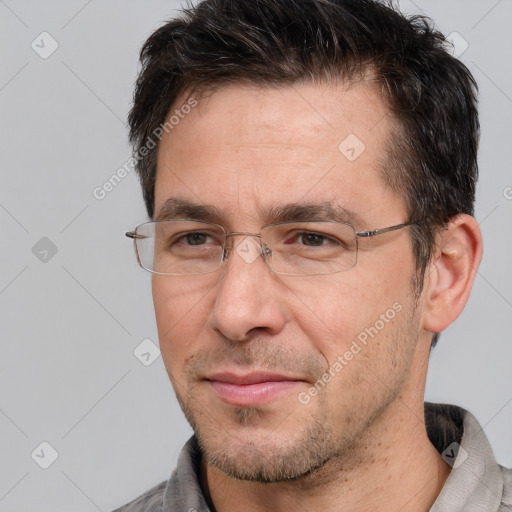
(74, 305)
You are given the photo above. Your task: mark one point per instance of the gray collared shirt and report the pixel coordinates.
(476, 483)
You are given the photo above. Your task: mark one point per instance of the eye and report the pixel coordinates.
(194, 238)
(312, 239)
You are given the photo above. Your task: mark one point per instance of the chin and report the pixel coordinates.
(262, 455)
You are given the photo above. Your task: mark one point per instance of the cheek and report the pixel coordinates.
(326, 312)
(181, 310)
(177, 298)
(339, 308)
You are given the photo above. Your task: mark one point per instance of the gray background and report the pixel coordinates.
(71, 320)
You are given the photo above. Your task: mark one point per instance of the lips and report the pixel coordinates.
(251, 389)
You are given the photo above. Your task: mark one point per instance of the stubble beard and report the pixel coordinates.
(271, 459)
(314, 452)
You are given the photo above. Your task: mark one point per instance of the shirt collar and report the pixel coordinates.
(474, 484)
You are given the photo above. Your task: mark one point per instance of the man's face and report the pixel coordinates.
(243, 346)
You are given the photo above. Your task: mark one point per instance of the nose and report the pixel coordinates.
(249, 297)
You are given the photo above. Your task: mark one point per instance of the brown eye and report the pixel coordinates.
(312, 239)
(195, 238)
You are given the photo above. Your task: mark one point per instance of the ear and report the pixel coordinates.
(450, 276)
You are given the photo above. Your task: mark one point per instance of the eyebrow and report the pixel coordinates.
(311, 211)
(177, 208)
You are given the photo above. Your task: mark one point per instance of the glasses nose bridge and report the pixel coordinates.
(228, 247)
(241, 233)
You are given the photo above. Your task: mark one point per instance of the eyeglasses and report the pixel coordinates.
(298, 248)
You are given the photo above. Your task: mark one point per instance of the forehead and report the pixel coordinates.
(246, 149)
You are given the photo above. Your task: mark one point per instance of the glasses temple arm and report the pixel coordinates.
(132, 234)
(368, 234)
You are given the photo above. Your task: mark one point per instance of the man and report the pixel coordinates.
(309, 169)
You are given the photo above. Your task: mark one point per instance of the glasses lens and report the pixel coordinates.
(180, 247)
(311, 248)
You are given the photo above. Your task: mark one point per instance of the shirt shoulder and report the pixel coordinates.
(506, 499)
(181, 493)
(150, 501)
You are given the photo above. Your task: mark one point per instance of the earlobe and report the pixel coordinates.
(452, 272)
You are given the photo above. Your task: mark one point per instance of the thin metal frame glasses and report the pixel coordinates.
(180, 247)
